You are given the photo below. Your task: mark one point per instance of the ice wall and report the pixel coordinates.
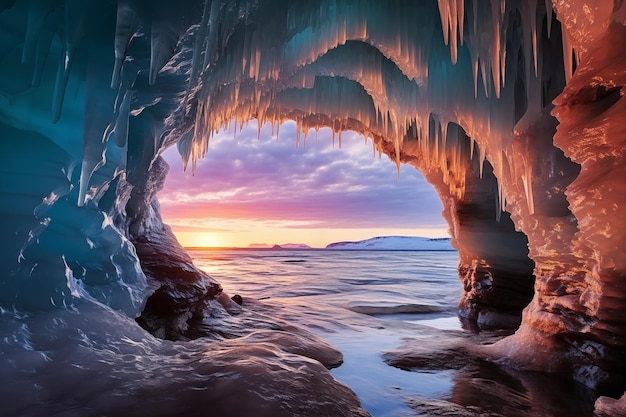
(92, 92)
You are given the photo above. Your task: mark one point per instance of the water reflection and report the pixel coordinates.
(490, 389)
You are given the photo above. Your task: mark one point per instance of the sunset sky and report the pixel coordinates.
(249, 191)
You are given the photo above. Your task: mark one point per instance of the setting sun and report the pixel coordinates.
(201, 239)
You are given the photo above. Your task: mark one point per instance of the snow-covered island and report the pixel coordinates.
(395, 243)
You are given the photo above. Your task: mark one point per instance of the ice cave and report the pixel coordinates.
(512, 109)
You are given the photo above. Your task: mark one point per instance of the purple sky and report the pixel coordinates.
(268, 191)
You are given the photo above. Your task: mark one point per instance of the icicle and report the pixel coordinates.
(298, 133)
(475, 12)
(444, 13)
(211, 42)
(475, 75)
(444, 135)
(37, 11)
(496, 12)
(43, 47)
(340, 134)
(74, 19)
(60, 84)
(481, 160)
(197, 47)
(121, 122)
(532, 4)
(498, 202)
(527, 181)
(126, 25)
(452, 13)
(460, 7)
(549, 16)
(484, 70)
(568, 51)
(453, 17)
(163, 40)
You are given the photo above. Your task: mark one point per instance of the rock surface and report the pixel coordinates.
(610, 407)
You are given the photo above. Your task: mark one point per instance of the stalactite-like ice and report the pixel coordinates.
(92, 92)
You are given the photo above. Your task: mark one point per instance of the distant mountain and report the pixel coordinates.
(282, 246)
(294, 246)
(395, 243)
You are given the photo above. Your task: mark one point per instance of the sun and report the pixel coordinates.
(208, 240)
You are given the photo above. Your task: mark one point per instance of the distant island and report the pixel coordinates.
(395, 243)
(281, 246)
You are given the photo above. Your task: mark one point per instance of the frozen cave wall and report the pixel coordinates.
(511, 108)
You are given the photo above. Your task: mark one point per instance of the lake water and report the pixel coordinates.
(368, 302)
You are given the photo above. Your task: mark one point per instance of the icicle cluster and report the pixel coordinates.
(399, 72)
(414, 81)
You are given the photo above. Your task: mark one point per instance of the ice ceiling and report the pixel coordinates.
(512, 109)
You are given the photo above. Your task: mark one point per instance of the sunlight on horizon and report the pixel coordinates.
(319, 238)
(267, 190)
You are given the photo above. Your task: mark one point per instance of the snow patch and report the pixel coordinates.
(395, 243)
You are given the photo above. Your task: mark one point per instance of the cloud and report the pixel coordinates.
(314, 185)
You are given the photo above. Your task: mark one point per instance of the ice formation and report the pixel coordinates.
(512, 109)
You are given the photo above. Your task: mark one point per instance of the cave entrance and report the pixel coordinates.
(269, 190)
(263, 192)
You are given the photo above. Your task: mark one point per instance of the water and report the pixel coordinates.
(405, 294)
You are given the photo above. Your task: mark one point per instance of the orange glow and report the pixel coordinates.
(200, 239)
(316, 238)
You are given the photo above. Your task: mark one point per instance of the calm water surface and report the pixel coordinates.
(322, 290)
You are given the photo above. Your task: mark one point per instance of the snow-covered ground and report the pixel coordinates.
(395, 243)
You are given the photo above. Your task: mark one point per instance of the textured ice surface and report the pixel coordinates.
(470, 92)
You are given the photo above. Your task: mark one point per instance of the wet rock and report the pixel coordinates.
(237, 298)
(610, 407)
(440, 351)
(386, 307)
(429, 407)
(232, 307)
(299, 342)
(181, 292)
(483, 385)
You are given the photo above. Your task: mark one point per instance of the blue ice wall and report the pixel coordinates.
(55, 251)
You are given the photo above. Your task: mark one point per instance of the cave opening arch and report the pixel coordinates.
(495, 271)
(365, 85)
(298, 191)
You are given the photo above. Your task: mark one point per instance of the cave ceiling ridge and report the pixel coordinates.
(414, 81)
(400, 74)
